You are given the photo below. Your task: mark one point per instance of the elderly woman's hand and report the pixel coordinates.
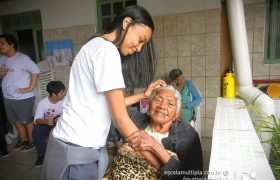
(141, 141)
(152, 86)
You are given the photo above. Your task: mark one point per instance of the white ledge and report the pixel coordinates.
(236, 150)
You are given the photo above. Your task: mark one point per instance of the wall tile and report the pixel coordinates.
(170, 63)
(198, 22)
(213, 65)
(249, 15)
(209, 124)
(170, 26)
(203, 134)
(198, 44)
(259, 69)
(274, 69)
(210, 107)
(259, 15)
(250, 37)
(46, 35)
(206, 146)
(158, 32)
(251, 62)
(198, 66)
(160, 68)
(71, 33)
(82, 35)
(212, 44)
(183, 23)
(159, 47)
(274, 77)
(213, 20)
(53, 34)
(77, 48)
(184, 63)
(213, 85)
(170, 46)
(199, 83)
(59, 33)
(258, 40)
(202, 108)
(260, 77)
(184, 45)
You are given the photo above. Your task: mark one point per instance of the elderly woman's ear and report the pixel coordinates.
(177, 116)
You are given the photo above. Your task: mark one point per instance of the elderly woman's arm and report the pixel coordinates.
(196, 97)
(141, 141)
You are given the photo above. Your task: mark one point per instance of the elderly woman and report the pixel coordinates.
(174, 143)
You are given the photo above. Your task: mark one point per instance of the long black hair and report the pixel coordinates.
(139, 68)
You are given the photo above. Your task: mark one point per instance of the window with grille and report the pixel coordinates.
(108, 9)
(272, 32)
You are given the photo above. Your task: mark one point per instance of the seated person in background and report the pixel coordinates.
(190, 96)
(47, 113)
(174, 143)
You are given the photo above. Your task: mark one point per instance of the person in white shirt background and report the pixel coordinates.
(19, 77)
(47, 112)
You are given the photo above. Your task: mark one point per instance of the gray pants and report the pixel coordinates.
(67, 161)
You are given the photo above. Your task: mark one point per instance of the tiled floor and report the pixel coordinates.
(20, 166)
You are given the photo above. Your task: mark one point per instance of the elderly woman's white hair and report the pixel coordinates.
(176, 92)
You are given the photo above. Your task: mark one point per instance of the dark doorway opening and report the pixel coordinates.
(26, 43)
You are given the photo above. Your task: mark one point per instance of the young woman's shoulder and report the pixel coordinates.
(99, 43)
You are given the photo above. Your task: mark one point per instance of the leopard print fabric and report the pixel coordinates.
(130, 165)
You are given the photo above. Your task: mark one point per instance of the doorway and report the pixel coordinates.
(26, 43)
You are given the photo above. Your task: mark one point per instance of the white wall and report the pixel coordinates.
(67, 13)
(55, 14)
(162, 7)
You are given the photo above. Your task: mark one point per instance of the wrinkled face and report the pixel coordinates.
(163, 107)
(137, 35)
(4, 46)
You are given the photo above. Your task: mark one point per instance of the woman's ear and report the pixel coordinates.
(177, 115)
(126, 22)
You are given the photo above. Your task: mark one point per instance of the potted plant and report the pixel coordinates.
(270, 124)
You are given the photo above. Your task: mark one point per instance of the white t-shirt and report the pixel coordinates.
(86, 116)
(156, 135)
(19, 75)
(46, 109)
